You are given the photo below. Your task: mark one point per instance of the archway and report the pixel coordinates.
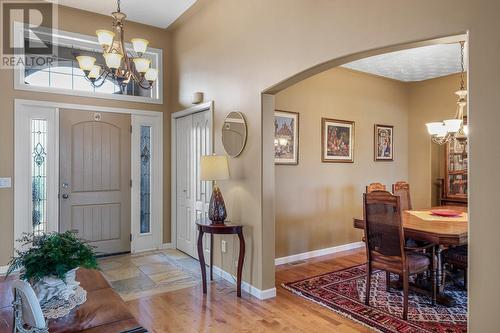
(268, 107)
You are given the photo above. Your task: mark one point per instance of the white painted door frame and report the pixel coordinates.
(208, 106)
(29, 109)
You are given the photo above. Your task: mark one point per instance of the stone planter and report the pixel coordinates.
(50, 287)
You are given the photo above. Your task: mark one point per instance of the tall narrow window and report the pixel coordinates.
(145, 179)
(39, 175)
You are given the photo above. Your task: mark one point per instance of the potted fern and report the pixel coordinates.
(49, 263)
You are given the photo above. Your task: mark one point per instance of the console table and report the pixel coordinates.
(206, 226)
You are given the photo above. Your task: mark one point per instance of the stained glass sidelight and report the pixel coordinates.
(145, 179)
(39, 175)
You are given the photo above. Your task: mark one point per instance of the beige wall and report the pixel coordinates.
(315, 201)
(73, 20)
(234, 50)
(430, 100)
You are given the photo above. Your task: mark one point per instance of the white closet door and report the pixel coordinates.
(193, 139)
(201, 145)
(185, 213)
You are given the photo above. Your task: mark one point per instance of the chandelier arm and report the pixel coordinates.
(442, 140)
(148, 87)
(139, 80)
(101, 79)
(135, 77)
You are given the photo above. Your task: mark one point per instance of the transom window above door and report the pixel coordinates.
(62, 75)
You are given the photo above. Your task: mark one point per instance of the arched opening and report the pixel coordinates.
(269, 105)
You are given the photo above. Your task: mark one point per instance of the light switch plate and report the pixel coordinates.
(6, 182)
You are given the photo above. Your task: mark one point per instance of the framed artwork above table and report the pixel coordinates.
(337, 141)
(383, 149)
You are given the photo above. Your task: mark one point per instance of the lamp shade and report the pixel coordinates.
(452, 125)
(142, 64)
(140, 45)
(85, 62)
(151, 74)
(105, 37)
(95, 72)
(214, 167)
(434, 128)
(113, 60)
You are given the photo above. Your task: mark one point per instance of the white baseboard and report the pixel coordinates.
(245, 286)
(317, 253)
(3, 269)
(166, 246)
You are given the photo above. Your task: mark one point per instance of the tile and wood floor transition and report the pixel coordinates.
(150, 273)
(188, 310)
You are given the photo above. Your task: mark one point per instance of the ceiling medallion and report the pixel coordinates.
(452, 129)
(120, 66)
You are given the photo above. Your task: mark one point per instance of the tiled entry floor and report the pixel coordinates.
(146, 274)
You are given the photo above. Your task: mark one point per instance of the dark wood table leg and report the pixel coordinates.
(440, 269)
(441, 279)
(211, 257)
(201, 258)
(241, 258)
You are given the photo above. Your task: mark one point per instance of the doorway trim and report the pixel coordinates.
(208, 106)
(22, 186)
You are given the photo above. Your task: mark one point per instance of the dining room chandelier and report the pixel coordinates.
(120, 65)
(451, 129)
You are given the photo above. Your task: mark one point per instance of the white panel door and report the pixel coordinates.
(201, 145)
(185, 215)
(193, 139)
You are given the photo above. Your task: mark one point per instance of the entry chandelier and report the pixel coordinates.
(451, 129)
(120, 65)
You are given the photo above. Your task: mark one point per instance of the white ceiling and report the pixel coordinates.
(158, 13)
(421, 63)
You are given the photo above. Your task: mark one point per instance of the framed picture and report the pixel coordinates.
(337, 141)
(384, 143)
(286, 137)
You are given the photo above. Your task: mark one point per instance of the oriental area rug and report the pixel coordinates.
(344, 292)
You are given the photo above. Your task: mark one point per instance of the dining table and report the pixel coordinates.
(443, 232)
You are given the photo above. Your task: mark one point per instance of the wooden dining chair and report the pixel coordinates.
(385, 245)
(402, 189)
(375, 187)
(457, 257)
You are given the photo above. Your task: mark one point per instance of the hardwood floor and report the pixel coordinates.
(220, 310)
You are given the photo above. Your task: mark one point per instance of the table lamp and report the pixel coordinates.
(214, 168)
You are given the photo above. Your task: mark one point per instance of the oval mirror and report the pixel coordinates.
(234, 134)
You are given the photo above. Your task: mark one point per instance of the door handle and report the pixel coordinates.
(65, 196)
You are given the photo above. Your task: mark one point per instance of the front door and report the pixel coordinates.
(94, 182)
